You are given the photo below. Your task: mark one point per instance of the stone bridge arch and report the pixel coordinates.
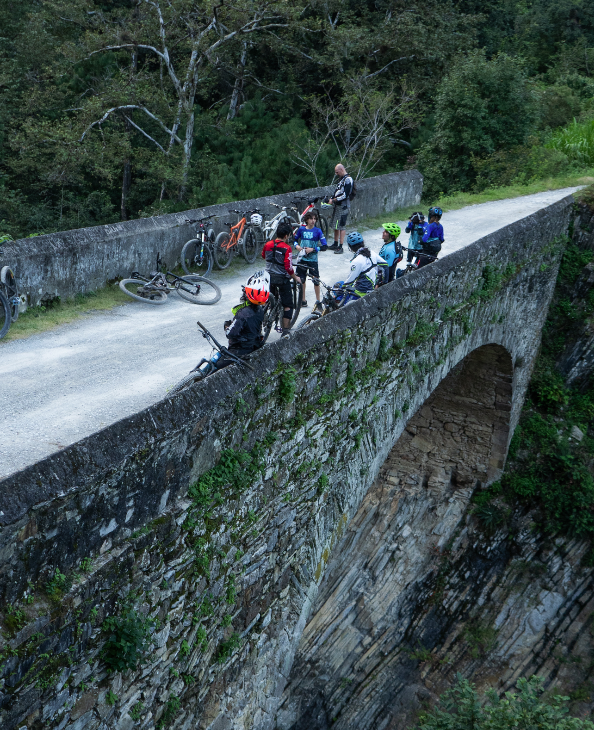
(352, 667)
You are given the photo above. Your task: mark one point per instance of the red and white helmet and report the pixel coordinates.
(257, 287)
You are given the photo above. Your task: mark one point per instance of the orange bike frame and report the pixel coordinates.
(235, 232)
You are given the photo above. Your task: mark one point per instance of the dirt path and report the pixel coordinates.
(57, 387)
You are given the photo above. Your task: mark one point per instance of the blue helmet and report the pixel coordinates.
(355, 240)
(435, 211)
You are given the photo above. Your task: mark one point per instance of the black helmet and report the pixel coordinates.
(438, 212)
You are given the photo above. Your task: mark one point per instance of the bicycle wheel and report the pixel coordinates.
(308, 320)
(297, 299)
(270, 316)
(192, 261)
(323, 225)
(198, 290)
(194, 377)
(7, 279)
(292, 222)
(249, 246)
(223, 253)
(5, 318)
(156, 296)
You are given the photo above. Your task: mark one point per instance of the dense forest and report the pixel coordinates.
(114, 110)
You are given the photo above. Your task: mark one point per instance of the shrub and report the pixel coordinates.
(576, 141)
(462, 707)
(127, 640)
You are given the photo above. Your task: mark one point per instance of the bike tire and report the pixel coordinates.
(308, 320)
(249, 246)
(189, 261)
(194, 377)
(297, 299)
(222, 254)
(8, 280)
(5, 318)
(270, 316)
(207, 292)
(159, 297)
(323, 225)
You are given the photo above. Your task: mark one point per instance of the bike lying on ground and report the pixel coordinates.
(9, 300)
(207, 367)
(196, 255)
(154, 290)
(334, 298)
(244, 236)
(274, 310)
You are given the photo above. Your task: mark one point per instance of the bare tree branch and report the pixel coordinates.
(129, 106)
(376, 73)
(148, 136)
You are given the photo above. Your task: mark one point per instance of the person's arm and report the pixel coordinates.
(441, 233)
(234, 331)
(264, 250)
(355, 271)
(427, 233)
(323, 241)
(288, 265)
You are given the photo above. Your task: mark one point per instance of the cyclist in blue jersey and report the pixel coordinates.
(391, 251)
(417, 228)
(432, 238)
(309, 239)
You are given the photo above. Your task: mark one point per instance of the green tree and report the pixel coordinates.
(482, 106)
(461, 708)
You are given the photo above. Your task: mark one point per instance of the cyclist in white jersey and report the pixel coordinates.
(368, 269)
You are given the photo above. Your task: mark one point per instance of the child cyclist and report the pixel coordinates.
(417, 228)
(244, 332)
(367, 268)
(432, 238)
(309, 239)
(391, 251)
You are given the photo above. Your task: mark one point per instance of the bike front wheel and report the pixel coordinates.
(223, 252)
(249, 246)
(5, 318)
(198, 290)
(131, 287)
(297, 299)
(308, 320)
(7, 279)
(270, 316)
(323, 225)
(194, 377)
(196, 258)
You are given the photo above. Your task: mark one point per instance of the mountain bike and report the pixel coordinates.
(414, 264)
(9, 300)
(311, 208)
(154, 290)
(274, 310)
(334, 298)
(196, 255)
(206, 367)
(242, 236)
(282, 216)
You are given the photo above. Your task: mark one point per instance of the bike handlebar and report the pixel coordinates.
(200, 220)
(418, 252)
(211, 338)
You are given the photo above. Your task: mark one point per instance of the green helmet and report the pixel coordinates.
(392, 228)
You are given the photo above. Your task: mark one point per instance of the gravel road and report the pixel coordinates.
(60, 386)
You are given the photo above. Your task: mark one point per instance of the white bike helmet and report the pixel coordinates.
(256, 219)
(257, 287)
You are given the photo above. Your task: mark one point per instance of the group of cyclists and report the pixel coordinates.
(293, 256)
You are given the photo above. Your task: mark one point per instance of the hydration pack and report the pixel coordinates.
(432, 246)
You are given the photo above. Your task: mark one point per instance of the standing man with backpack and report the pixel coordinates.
(341, 199)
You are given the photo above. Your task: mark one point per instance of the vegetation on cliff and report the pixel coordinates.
(121, 109)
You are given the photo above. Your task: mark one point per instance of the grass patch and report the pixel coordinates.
(41, 319)
(461, 200)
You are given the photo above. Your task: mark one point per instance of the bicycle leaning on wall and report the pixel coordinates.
(196, 255)
(243, 236)
(9, 300)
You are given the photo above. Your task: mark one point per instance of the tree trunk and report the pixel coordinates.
(188, 142)
(126, 182)
(238, 86)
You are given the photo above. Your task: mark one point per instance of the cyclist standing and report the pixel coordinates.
(341, 200)
(433, 237)
(417, 228)
(391, 251)
(310, 240)
(277, 255)
(367, 267)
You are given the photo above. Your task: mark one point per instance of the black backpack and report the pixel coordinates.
(432, 246)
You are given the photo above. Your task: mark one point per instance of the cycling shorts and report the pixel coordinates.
(282, 285)
(308, 267)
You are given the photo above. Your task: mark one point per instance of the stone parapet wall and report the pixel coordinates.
(85, 259)
(215, 512)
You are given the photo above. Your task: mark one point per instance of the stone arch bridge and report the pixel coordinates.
(276, 537)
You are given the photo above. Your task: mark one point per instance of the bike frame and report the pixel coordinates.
(236, 232)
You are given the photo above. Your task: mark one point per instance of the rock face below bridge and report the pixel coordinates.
(227, 519)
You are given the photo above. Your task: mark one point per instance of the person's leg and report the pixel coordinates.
(286, 295)
(342, 221)
(301, 272)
